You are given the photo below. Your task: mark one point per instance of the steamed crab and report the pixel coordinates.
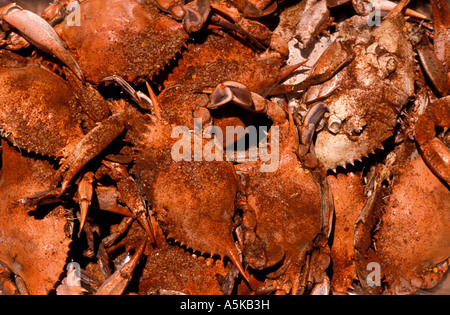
(195, 181)
(34, 244)
(372, 73)
(411, 250)
(151, 136)
(38, 127)
(51, 124)
(28, 125)
(218, 58)
(268, 242)
(140, 40)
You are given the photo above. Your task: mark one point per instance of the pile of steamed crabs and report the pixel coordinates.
(355, 98)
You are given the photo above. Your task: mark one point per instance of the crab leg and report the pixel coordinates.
(85, 196)
(386, 6)
(121, 229)
(441, 23)
(398, 9)
(39, 33)
(140, 98)
(312, 118)
(118, 282)
(89, 147)
(7, 285)
(433, 68)
(332, 60)
(132, 198)
(433, 151)
(307, 155)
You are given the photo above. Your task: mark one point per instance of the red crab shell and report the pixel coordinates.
(125, 38)
(413, 236)
(33, 243)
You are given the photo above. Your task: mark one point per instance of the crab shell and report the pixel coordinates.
(413, 237)
(194, 201)
(33, 242)
(217, 59)
(38, 111)
(291, 213)
(133, 40)
(287, 204)
(367, 96)
(171, 270)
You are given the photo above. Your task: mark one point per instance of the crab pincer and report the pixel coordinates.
(39, 33)
(118, 282)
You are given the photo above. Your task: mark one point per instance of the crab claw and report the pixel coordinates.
(145, 102)
(88, 148)
(118, 282)
(312, 118)
(140, 98)
(196, 15)
(231, 91)
(233, 256)
(433, 151)
(257, 9)
(85, 192)
(40, 34)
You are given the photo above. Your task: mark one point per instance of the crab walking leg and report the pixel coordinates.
(306, 154)
(130, 195)
(118, 282)
(39, 33)
(88, 148)
(433, 151)
(386, 6)
(85, 192)
(441, 23)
